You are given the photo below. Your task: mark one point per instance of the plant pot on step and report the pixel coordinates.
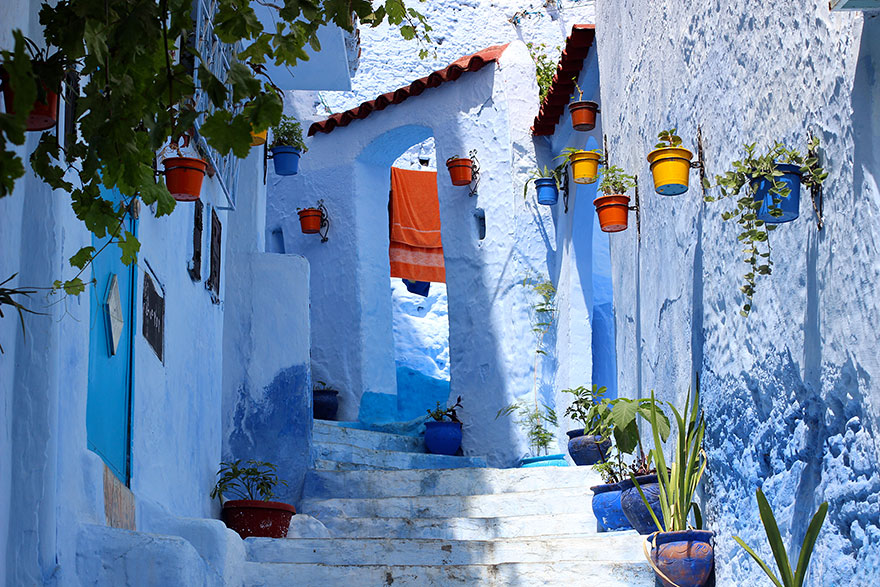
(683, 559)
(613, 211)
(584, 166)
(43, 114)
(557, 460)
(286, 160)
(671, 168)
(586, 450)
(310, 220)
(183, 177)
(442, 438)
(583, 114)
(325, 403)
(789, 205)
(548, 191)
(266, 519)
(461, 171)
(634, 508)
(607, 509)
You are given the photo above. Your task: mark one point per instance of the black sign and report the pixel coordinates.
(154, 317)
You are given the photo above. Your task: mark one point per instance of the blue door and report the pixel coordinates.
(108, 411)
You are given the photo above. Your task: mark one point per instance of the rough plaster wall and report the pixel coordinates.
(788, 392)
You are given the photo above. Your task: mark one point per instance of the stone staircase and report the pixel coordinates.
(399, 516)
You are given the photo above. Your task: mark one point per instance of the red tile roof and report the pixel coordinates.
(577, 46)
(473, 62)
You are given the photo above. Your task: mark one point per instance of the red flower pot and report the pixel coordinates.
(310, 220)
(583, 115)
(183, 176)
(613, 211)
(266, 519)
(461, 171)
(43, 115)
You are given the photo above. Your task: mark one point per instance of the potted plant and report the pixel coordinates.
(797, 576)
(546, 184)
(48, 72)
(287, 146)
(583, 112)
(584, 164)
(613, 206)
(536, 422)
(252, 514)
(311, 219)
(773, 179)
(590, 444)
(443, 431)
(461, 170)
(183, 174)
(682, 555)
(325, 402)
(670, 164)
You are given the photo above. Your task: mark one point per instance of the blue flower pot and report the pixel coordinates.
(548, 193)
(557, 460)
(606, 508)
(686, 558)
(790, 205)
(286, 160)
(634, 508)
(586, 450)
(443, 438)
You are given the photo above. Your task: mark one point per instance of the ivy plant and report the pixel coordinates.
(754, 232)
(252, 480)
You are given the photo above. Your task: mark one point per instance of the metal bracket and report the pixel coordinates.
(265, 161)
(606, 154)
(475, 181)
(700, 163)
(816, 191)
(565, 189)
(637, 209)
(325, 221)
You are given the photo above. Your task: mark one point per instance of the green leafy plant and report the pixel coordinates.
(545, 67)
(587, 408)
(783, 564)
(288, 133)
(668, 138)
(546, 173)
(7, 298)
(254, 480)
(569, 151)
(439, 414)
(755, 233)
(535, 422)
(615, 180)
(577, 88)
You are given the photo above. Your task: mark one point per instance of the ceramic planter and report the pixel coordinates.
(790, 205)
(266, 519)
(310, 220)
(286, 160)
(325, 403)
(685, 559)
(613, 211)
(548, 192)
(461, 171)
(606, 508)
(634, 507)
(671, 168)
(442, 438)
(183, 177)
(583, 115)
(557, 460)
(587, 450)
(43, 114)
(584, 166)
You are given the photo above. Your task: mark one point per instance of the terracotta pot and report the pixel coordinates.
(183, 176)
(583, 115)
(461, 171)
(266, 519)
(613, 211)
(43, 115)
(686, 558)
(310, 220)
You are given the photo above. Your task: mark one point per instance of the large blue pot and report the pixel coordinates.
(443, 438)
(286, 160)
(587, 450)
(634, 508)
(790, 205)
(606, 508)
(548, 193)
(686, 558)
(557, 460)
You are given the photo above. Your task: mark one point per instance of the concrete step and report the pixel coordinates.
(323, 431)
(349, 456)
(561, 501)
(550, 573)
(401, 552)
(464, 481)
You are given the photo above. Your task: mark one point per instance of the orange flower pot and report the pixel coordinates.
(613, 211)
(583, 115)
(183, 177)
(43, 115)
(460, 170)
(310, 220)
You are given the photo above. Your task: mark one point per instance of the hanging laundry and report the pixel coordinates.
(416, 251)
(420, 288)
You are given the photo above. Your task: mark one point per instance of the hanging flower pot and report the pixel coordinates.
(442, 438)
(287, 146)
(548, 192)
(671, 167)
(461, 171)
(613, 211)
(253, 517)
(606, 508)
(259, 138)
(789, 206)
(310, 220)
(583, 114)
(286, 160)
(183, 177)
(682, 559)
(584, 166)
(43, 114)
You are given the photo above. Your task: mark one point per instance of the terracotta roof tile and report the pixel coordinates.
(473, 62)
(577, 46)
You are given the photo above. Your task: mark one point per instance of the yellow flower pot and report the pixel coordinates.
(259, 138)
(584, 166)
(671, 167)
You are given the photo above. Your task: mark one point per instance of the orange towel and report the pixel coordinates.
(416, 250)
